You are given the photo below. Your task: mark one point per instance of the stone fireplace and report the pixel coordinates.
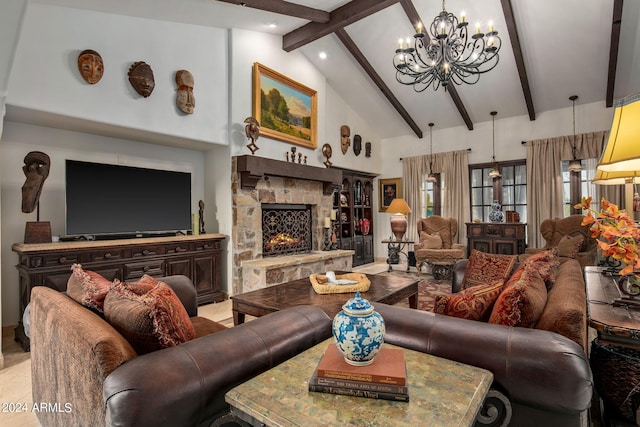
(259, 183)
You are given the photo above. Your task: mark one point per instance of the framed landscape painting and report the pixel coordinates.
(389, 189)
(286, 109)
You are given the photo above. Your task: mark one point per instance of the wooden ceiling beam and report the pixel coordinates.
(507, 11)
(414, 18)
(613, 50)
(368, 68)
(284, 8)
(340, 18)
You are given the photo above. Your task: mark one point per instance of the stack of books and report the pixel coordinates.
(385, 378)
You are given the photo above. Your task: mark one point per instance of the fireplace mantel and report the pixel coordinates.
(252, 168)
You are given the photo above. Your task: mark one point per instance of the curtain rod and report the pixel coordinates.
(523, 142)
(468, 149)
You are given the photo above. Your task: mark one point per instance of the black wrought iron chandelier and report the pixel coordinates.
(450, 55)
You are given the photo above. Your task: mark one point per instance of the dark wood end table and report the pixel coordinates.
(384, 289)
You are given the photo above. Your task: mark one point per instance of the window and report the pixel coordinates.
(510, 190)
(576, 185)
(431, 197)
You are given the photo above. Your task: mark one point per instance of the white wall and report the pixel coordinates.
(48, 79)
(509, 134)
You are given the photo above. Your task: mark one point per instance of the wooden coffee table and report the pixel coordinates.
(384, 289)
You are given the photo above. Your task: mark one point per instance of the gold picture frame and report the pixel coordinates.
(297, 106)
(388, 189)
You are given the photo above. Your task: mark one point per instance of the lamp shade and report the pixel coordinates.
(621, 154)
(398, 206)
(615, 178)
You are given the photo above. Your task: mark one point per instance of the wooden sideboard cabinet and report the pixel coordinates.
(506, 238)
(49, 264)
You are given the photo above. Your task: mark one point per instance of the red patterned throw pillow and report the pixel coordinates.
(87, 287)
(485, 268)
(148, 314)
(473, 303)
(546, 263)
(522, 301)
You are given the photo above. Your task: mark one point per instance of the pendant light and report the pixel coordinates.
(495, 171)
(431, 177)
(575, 165)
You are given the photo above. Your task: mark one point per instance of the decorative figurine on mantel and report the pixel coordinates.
(201, 216)
(292, 158)
(252, 131)
(345, 142)
(327, 151)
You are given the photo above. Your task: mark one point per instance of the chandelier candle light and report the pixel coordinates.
(449, 55)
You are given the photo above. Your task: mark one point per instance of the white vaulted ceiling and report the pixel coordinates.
(564, 46)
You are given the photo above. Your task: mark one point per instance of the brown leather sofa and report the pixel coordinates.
(83, 364)
(540, 377)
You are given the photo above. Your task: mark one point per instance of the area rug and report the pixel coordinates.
(428, 289)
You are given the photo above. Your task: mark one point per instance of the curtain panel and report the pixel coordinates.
(545, 197)
(453, 168)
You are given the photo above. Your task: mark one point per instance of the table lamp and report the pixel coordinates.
(399, 209)
(620, 160)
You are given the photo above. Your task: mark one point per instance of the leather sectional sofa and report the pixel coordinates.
(540, 377)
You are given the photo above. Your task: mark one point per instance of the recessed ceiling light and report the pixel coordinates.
(323, 55)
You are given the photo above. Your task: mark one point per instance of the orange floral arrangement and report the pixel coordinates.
(618, 235)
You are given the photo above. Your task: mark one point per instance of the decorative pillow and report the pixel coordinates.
(487, 268)
(521, 303)
(546, 263)
(473, 303)
(430, 241)
(88, 287)
(569, 246)
(148, 314)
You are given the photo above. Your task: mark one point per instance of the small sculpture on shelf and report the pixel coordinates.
(252, 131)
(327, 151)
(201, 215)
(36, 170)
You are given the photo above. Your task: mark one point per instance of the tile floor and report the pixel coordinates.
(15, 378)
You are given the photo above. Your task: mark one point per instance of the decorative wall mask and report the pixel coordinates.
(141, 78)
(345, 142)
(357, 144)
(185, 100)
(327, 151)
(90, 66)
(367, 149)
(36, 169)
(252, 131)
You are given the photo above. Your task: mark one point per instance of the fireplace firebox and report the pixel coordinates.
(286, 229)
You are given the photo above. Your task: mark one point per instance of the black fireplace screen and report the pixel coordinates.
(286, 229)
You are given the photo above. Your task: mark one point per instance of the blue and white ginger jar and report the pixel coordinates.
(359, 331)
(496, 214)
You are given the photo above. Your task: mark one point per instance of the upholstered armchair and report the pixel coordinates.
(570, 237)
(437, 246)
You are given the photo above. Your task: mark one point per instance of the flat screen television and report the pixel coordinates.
(104, 200)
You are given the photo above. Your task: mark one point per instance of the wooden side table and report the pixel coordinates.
(615, 353)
